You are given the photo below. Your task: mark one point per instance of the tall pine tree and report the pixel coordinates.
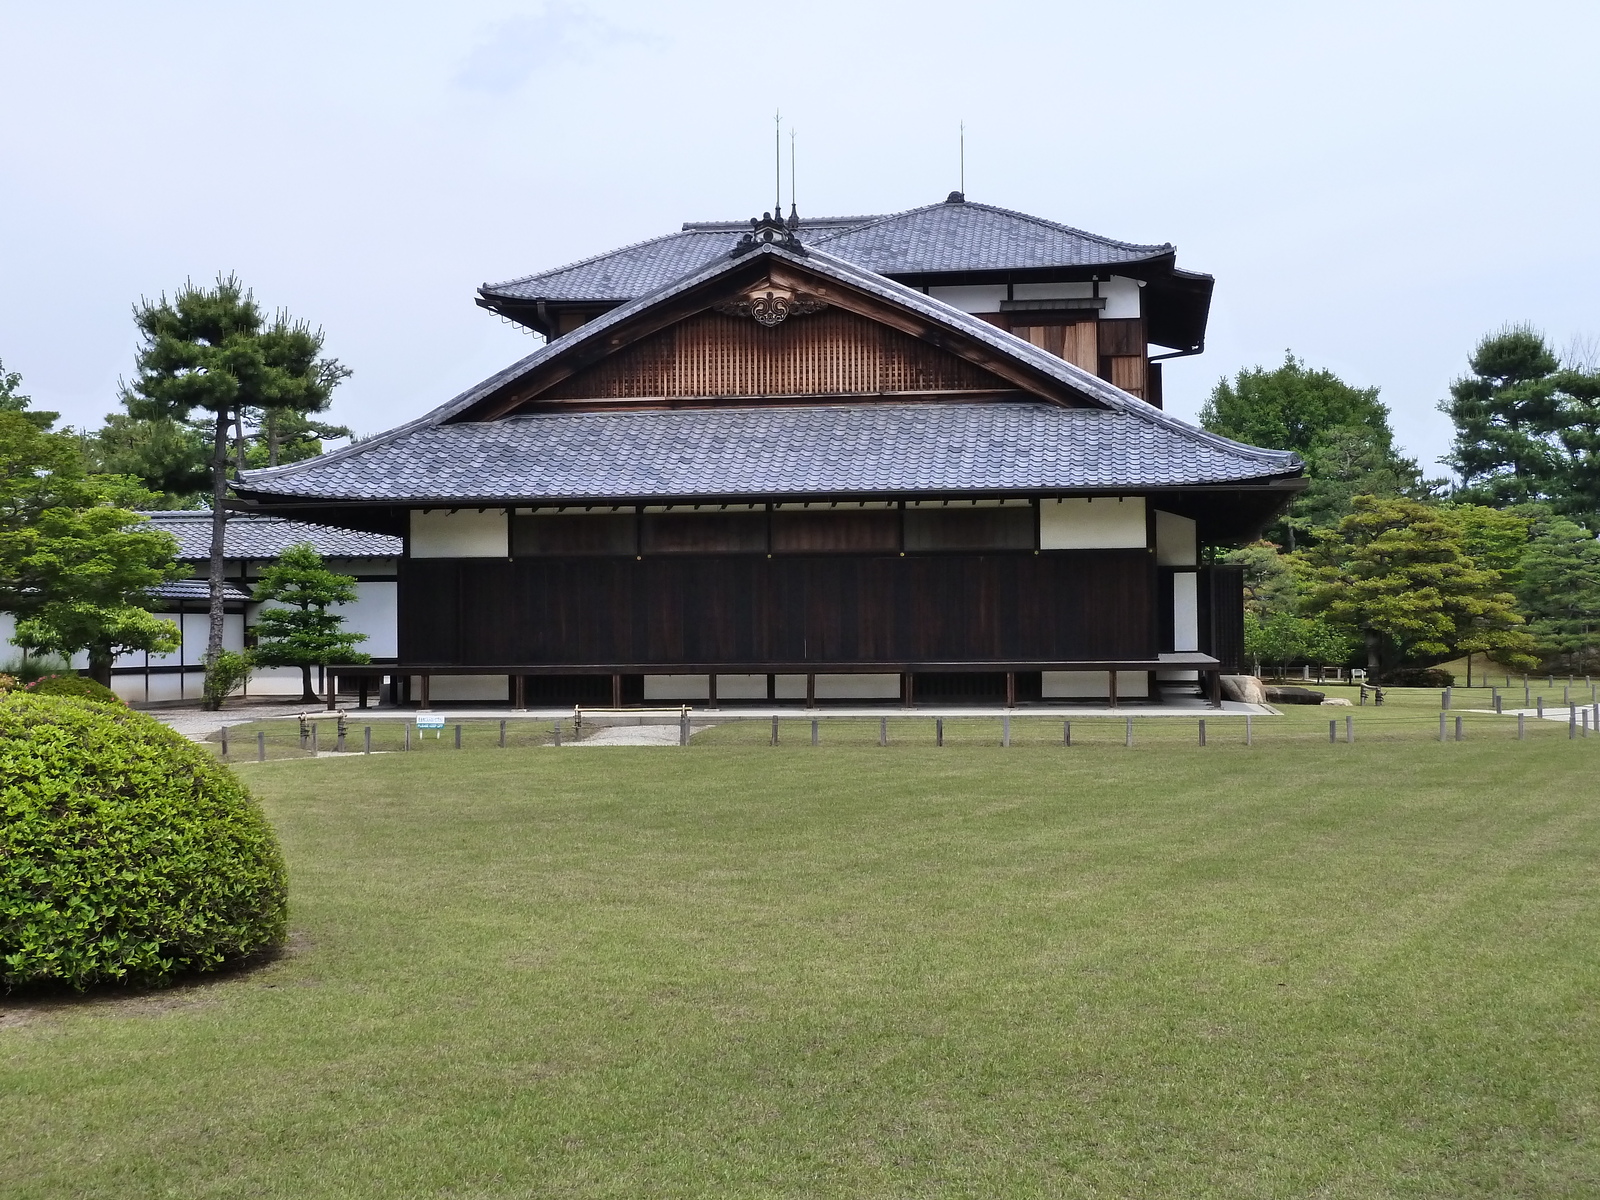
(214, 349)
(1505, 412)
(1560, 592)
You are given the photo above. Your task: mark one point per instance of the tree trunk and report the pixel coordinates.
(306, 694)
(100, 665)
(219, 529)
(1374, 656)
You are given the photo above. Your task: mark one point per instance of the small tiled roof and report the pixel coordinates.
(1120, 442)
(789, 451)
(196, 589)
(947, 237)
(251, 536)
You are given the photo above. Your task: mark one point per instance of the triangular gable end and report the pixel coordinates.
(770, 330)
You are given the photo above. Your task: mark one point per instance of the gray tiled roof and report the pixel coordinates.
(803, 450)
(196, 589)
(976, 237)
(936, 238)
(250, 536)
(1137, 444)
(644, 266)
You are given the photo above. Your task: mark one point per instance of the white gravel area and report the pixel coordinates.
(195, 723)
(637, 735)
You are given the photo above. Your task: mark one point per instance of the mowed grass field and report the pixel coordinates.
(736, 970)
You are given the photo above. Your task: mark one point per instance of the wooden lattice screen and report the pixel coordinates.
(828, 353)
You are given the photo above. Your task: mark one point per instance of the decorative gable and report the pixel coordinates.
(739, 352)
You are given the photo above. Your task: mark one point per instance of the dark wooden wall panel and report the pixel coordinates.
(749, 609)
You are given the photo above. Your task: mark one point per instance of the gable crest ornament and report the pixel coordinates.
(770, 306)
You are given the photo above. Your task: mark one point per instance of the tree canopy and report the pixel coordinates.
(214, 350)
(1560, 591)
(1342, 433)
(1397, 574)
(76, 564)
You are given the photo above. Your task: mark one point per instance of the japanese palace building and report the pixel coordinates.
(919, 457)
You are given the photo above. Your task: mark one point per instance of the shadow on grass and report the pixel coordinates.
(36, 1001)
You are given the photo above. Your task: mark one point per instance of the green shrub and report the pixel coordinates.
(1427, 677)
(127, 854)
(225, 671)
(28, 667)
(80, 686)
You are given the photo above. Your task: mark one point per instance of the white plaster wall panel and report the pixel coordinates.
(373, 612)
(790, 687)
(1121, 296)
(468, 687)
(1091, 685)
(8, 648)
(1185, 611)
(277, 681)
(858, 687)
(984, 298)
(1176, 542)
(741, 687)
(1097, 523)
(677, 687)
(464, 533)
(1052, 291)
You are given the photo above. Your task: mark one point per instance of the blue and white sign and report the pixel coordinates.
(433, 722)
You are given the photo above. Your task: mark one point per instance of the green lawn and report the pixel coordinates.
(733, 970)
(1409, 715)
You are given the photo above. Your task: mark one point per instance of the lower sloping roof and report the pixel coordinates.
(251, 536)
(778, 450)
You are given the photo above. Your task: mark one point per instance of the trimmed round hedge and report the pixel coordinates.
(72, 685)
(127, 854)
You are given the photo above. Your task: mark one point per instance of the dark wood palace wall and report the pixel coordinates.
(748, 610)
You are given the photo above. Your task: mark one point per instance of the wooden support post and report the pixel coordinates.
(361, 691)
(772, 691)
(616, 691)
(811, 691)
(425, 680)
(261, 747)
(1216, 689)
(711, 690)
(1111, 690)
(333, 686)
(907, 689)
(519, 692)
(1011, 689)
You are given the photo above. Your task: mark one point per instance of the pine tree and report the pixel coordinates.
(1505, 413)
(213, 349)
(14, 401)
(1396, 573)
(1560, 592)
(303, 633)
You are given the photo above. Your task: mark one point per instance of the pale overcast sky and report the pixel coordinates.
(1373, 185)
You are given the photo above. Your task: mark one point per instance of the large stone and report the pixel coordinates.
(1295, 695)
(1246, 689)
(1337, 702)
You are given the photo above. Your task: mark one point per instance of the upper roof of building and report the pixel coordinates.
(470, 449)
(952, 237)
(255, 536)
